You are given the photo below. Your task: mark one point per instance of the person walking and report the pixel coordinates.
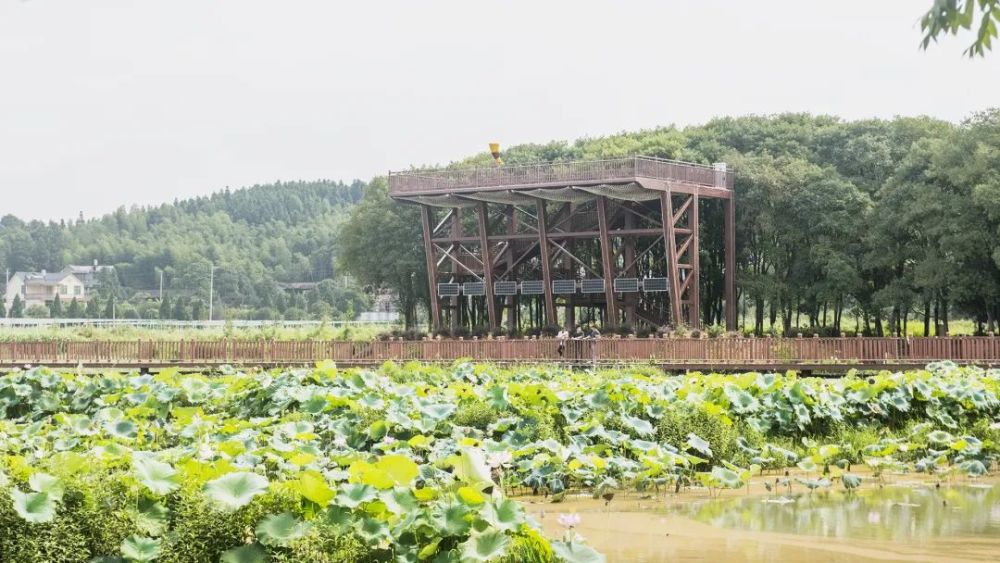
(563, 336)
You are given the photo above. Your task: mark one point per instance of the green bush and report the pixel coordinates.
(475, 414)
(721, 434)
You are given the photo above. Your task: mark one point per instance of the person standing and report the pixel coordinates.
(563, 336)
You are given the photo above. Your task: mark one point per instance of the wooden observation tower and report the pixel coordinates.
(616, 239)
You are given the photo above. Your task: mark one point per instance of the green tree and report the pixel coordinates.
(181, 311)
(37, 312)
(55, 310)
(109, 307)
(16, 307)
(165, 310)
(197, 309)
(74, 311)
(953, 16)
(92, 311)
(381, 245)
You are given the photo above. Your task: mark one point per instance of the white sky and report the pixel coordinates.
(118, 102)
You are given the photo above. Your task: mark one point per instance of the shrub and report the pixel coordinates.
(721, 434)
(476, 414)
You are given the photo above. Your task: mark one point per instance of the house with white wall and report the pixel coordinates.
(41, 288)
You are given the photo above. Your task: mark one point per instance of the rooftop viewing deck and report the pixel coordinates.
(556, 174)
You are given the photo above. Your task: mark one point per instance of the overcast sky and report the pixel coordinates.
(106, 103)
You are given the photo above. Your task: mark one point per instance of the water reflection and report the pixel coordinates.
(893, 513)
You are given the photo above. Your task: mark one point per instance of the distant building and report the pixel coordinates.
(41, 288)
(383, 308)
(88, 274)
(297, 287)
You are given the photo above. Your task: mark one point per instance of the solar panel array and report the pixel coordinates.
(449, 289)
(505, 288)
(593, 285)
(654, 284)
(532, 287)
(474, 288)
(626, 285)
(559, 287)
(564, 287)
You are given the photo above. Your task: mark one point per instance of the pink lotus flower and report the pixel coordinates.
(569, 520)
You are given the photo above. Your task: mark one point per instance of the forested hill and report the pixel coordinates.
(280, 232)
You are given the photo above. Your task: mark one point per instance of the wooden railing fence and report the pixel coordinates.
(723, 351)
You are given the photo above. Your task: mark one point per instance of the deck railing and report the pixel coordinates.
(556, 173)
(716, 352)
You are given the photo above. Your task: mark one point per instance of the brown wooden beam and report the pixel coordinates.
(730, 262)
(564, 235)
(425, 216)
(491, 306)
(694, 291)
(543, 245)
(607, 267)
(670, 240)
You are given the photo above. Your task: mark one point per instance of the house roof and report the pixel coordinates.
(47, 278)
(297, 285)
(86, 268)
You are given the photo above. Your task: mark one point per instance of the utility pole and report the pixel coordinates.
(161, 286)
(211, 289)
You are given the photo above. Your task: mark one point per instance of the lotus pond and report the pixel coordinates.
(475, 462)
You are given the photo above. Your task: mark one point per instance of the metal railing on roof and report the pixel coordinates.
(614, 169)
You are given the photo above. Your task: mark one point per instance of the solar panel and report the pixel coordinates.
(505, 288)
(627, 285)
(654, 284)
(474, 288)
(563, 287)
(595, 285)
(532, 287)
(449, 289)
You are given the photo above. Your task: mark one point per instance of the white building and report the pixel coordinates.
(41, 288)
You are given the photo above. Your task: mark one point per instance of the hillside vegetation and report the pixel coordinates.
(255, 237)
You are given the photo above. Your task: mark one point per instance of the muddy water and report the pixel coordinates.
(905, 521)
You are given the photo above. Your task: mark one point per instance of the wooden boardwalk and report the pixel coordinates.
(820, 354)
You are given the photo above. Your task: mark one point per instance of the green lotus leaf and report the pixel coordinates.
(726, 478)
(353, 495)
(638, 425)
(575, 552)
(280, 529)
(453, 521)
(438, 411)
(151, 517)
(372, 529)
(485, 546)
(338, 516)
(45, 483)
(124, 429)
(160, 478)
(252, 553)
(851, 481)
(36, 508)
(973, 467)
(400, 469)
(698, 444)
(399, 500)
(138, 548)
(313, 487)
(504, 515)
(233, 490)
(940, 437)
(471, 468)
(807, 465)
